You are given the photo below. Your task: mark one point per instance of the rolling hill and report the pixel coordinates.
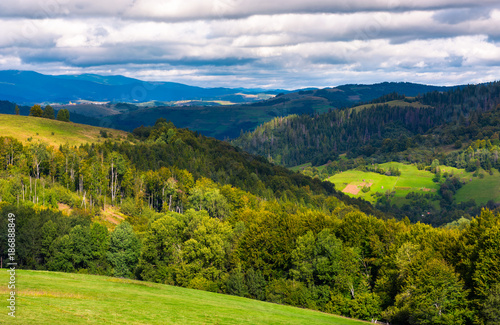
(33, 129)
(64, 298)
(202, 214)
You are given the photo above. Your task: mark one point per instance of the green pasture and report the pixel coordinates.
(411, 180)
(480, 189)
(420, 181)
(67, 298)
(52, 132)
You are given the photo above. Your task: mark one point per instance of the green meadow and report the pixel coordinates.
(420, 181)
(33, 129)
(411, 180)
(69, 298)
(480, 189)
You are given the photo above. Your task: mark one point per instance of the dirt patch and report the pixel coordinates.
(354, 188)
(428, 189)
(111, 216)
(351, 189)
(403, 188)
(64, 208)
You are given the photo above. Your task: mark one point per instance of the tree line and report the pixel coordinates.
(47, 112)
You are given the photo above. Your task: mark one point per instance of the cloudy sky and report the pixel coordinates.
(256, 43)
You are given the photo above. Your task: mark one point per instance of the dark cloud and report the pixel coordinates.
(178, 10)
(456, 16)
(255, 43)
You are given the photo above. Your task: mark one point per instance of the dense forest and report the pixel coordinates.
(458, 128)
(202, 214)
(382, 131)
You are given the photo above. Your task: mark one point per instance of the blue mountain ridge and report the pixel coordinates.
(29, 87)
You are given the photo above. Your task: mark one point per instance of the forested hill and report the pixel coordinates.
(173, 207)
(380, 128)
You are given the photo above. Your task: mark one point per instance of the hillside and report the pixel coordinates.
(33, 129)
(197, 213)
(381, 129)
(63, 298)
(430, 134)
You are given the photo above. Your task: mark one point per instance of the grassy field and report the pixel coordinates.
(481, 189)
(66, 298)
(420, 181)
(52, 132)
(411, 180)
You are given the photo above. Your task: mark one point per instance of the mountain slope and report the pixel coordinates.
(33, 129)
(224, 122)
(205, 110)
(296, 140)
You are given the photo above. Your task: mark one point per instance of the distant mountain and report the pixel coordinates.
(157, 99)
(354, 94)
(28, 87)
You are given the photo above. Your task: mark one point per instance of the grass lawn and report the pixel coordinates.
(52, 132)
(66, 298)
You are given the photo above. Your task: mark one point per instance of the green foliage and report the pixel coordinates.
(48, 112)
(124, 250)
(204, 215)
(491, 306)
(236, 283)
(63, 115)
(36, 111)
(432, 294)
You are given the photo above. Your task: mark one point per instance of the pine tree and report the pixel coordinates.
(63, 115)
(48, 112)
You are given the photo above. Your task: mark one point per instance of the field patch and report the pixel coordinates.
(354, 187)
(411, 180)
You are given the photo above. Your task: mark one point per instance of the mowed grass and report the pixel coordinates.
(67, 298)
(411, 180)
(40, 129)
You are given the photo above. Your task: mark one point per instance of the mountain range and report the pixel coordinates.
(126, 103)
(29, 87)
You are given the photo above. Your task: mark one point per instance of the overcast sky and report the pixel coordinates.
(256, 43)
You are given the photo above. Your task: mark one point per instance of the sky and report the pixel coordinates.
(256, 43)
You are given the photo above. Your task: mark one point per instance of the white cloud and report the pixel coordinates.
(252, 43)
